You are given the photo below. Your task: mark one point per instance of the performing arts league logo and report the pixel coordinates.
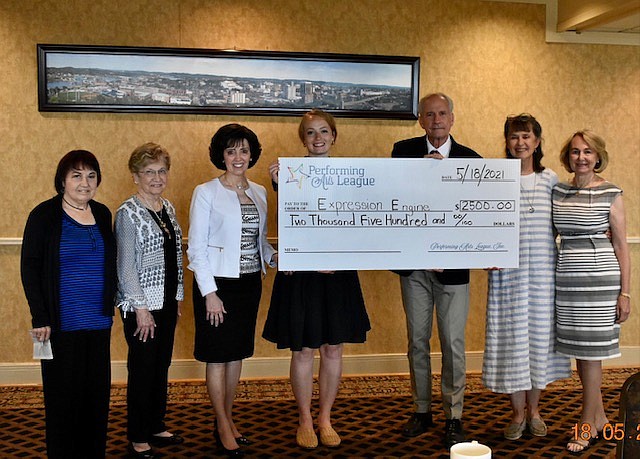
(297, 176)
(326, 176)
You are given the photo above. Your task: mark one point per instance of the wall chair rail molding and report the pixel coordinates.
(278, 367)
(80, 78)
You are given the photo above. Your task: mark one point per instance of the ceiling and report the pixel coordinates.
(629, 24)
(612, 16)
(591, 21)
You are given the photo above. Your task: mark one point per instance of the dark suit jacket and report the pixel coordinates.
(417, 148)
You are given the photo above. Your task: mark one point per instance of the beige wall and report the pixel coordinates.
(490, 57)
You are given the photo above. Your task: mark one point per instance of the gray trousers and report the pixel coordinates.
(421, 294)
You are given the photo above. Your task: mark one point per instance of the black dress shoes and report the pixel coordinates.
(147, 454)
(227, 452)
(166, 441)
(243, 441)
(417, 424)
(453, 432)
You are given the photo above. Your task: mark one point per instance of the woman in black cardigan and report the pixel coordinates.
(68, 269)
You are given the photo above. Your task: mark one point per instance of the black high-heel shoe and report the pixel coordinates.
(228, 452)
(147, 454)
(243, 441)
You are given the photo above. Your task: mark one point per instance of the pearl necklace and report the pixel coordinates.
(239, 186)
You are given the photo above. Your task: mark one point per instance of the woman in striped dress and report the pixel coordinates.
(519, 359)
(592, 274)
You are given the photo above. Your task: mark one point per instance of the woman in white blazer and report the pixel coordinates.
(228, 254)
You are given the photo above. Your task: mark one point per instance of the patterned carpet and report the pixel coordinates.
(368, 414)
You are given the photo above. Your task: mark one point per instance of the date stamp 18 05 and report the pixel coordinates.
(610, 431)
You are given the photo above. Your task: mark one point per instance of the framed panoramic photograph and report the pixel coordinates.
(78, 78)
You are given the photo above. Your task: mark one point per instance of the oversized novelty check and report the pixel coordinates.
(374, 213)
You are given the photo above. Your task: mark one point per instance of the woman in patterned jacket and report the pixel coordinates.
(150, 291)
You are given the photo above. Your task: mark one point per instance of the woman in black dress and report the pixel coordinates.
(228, 252)
(316, 310)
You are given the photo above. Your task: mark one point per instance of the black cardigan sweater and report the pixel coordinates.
(40, 260)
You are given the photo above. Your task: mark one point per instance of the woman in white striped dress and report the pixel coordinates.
(519, 357)
(592, 275)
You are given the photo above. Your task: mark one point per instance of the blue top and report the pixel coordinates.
(82, 254)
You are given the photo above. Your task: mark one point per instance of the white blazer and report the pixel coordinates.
(215, 229)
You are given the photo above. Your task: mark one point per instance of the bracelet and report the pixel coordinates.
(626, 295)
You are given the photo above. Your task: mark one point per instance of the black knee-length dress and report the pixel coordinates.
(234, 338)
(309, 309)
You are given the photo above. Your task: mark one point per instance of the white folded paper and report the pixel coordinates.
(41, 349)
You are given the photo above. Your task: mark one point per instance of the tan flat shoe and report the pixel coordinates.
(329, 437)
(306, 438)
(515, 430)
(537, 427)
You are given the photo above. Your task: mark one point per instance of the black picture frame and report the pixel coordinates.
(84, 78)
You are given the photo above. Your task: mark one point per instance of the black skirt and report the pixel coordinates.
(309, 309)
(234, 339)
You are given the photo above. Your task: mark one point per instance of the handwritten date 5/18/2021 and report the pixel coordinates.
(479, 174)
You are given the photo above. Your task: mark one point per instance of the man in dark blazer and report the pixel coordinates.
(446, 291)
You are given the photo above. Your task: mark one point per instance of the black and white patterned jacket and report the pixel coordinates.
(140, 262)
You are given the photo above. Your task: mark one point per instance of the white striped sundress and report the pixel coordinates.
(587, 273)
(520, 331)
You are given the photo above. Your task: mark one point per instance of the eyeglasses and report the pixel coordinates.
(151, 173)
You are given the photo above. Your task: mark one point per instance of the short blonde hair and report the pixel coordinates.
(148, 153)
(328, 117)
(596, 143)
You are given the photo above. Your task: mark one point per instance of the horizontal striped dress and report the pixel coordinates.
(587, 273)
(520, 331)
